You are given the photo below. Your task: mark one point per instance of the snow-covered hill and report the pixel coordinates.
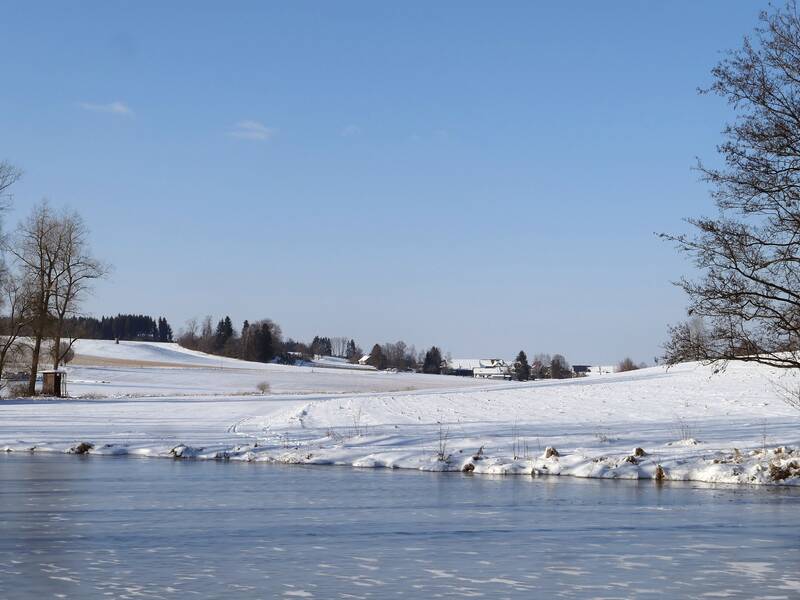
(105, 368)
(168, 353)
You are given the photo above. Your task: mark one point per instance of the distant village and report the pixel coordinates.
(263, 341)
(479, 368)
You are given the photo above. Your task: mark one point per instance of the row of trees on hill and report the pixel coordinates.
(260, 341)
(400, 356)
(263, 341)
(122, 327)
(543, 366)
(46, 272)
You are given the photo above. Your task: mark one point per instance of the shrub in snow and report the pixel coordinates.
(639, 452)
(263, 387)
(684, 442)
(441, 453)
(627, 365)
(18, 391)
(81, 448)
(604, 436)
(683, 430)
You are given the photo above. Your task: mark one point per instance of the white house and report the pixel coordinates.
(486, 368)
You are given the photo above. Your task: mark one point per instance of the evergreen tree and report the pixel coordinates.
(264, 344)
(376, 357)
(522, 370)
(351, 353)
(228, 328)
(433, 361)
(223, 333)
(164, 330)
(261, 341)
(321, 346)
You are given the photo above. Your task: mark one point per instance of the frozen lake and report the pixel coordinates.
(90, 527)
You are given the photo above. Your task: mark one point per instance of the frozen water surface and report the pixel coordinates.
(94, 527)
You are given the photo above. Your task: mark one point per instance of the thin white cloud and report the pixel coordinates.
(114, 108)
(251, 130)
(351, 131)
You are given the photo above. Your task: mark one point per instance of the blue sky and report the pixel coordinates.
(487, 178)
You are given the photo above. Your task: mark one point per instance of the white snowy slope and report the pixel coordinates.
(691, 424)
(104, 368)
(149, 352)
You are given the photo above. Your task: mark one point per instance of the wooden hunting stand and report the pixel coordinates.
(54, 383)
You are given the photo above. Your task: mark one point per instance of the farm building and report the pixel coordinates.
(489, 368)
(585, 370)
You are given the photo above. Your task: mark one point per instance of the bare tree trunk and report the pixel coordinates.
(37, 347)
(56, 350)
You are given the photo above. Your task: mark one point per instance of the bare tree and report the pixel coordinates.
(559, 367)
(540, 366)
(188, 337)
(398, 355)
(206, 341)
(37, 246)
(16, 299)
(688, 340)
(76, 270)
(626, 364)
(339, 346)
(9, 175)
(748, 294)
(56, 269)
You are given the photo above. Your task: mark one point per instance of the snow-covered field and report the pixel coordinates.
(103, 368)
(685, 423)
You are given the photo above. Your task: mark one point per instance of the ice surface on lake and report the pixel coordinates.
(126, 528)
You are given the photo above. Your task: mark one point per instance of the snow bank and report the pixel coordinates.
(685, 423)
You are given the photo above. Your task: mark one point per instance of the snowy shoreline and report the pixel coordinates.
(754, 468)
(686, 423)
(746, 437)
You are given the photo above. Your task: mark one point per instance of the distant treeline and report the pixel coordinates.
(123, 327)
(262, 341)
